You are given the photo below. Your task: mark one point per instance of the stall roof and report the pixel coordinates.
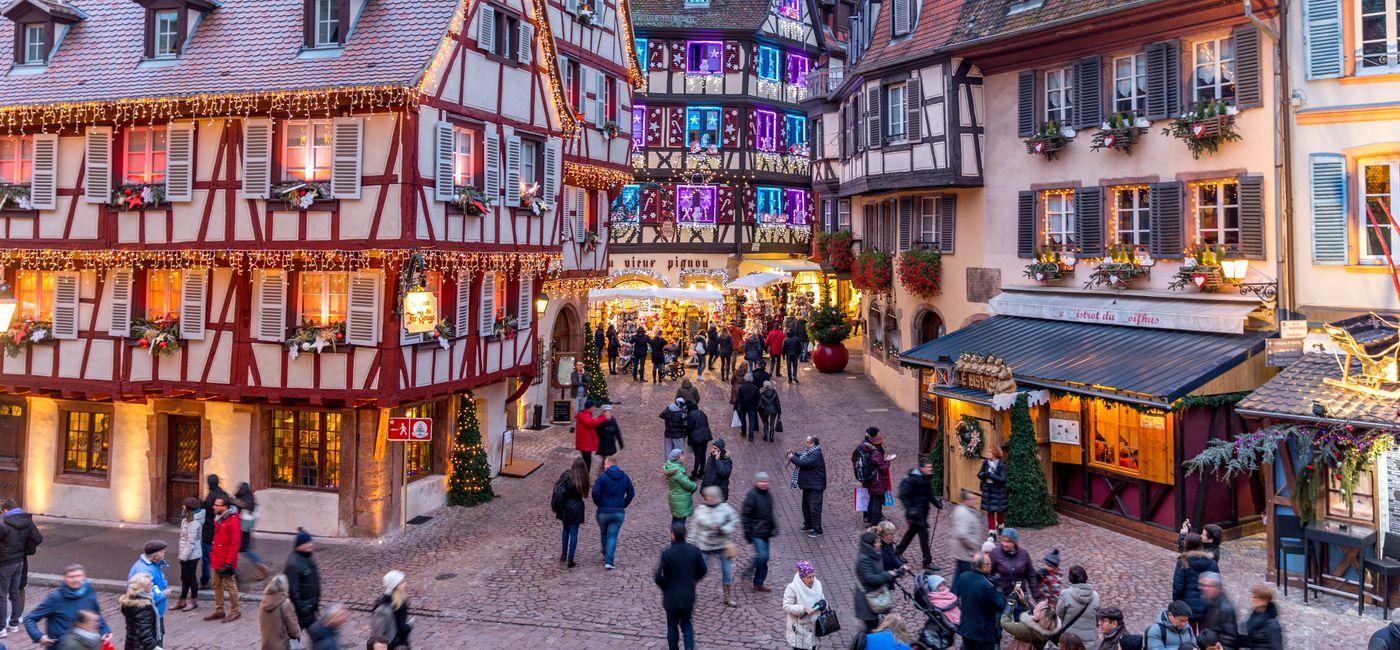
(1122, 363)
(759, 280)
(1292, 393)
(657, 293)
(787, 265)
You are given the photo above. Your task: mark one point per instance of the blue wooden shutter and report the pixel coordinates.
(1327, 178)
(1322, 38)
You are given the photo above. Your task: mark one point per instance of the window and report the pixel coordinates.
(767, 63)
(507, 37)
(641, 45)
(1214, 70)
(323, 297)
(327, 23)
(770, 206)
(36, 43)
(798, 67)
(928, 219)
(766, 130)
(639, 126)
(529, 162)
(843, 215)
(306, 449)
(626, 207)
(789, 9)
(696, 203)
(464, 167)
(166, 35)
(894, 101)
(85, 440)
(704, 57)
(1361, 505)
(1379, 33)
(145, 154)
(1117, 430)
(16, 159)
(1381, 188)
(1130, 84)
(34, 293)
(1131, 221)
(162, 293)
(702, 125)
(795, 127)
(1059, 96)
(797, 207)
(1218, 213)
(605, 96)
(418, 456)
(306, 150)
(572, 79)
(1059, 218)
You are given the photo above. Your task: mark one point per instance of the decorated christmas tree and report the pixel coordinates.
(470, 481)
(592, 365)
(936, 457)
(1028, 503)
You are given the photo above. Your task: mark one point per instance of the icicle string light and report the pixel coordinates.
(243, 261)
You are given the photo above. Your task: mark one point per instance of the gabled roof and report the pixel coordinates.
(242, 46)
(1292, 393)
(989, 19)
(721, 15)
(937, 19)
(56, 8)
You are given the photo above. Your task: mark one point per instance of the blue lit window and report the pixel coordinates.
(702, 125)
(770, 205)
(625, 208)
(796, 129)
(641, 45)
(767, 63)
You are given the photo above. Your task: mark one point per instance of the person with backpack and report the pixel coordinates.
(1173, 628)
(640, 344)
(248, 517)
(567, 504)
(747, 403)
(1186, 581)
(753, 350)
(917, 493)
(872, 470)
(699, 438)
(770, 410)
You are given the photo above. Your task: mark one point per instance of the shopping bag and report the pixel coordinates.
(862, 499)
(735, 423)
(889, 499)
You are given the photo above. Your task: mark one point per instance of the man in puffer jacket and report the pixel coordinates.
(710, 529)
(1172, 628)
(677, 421)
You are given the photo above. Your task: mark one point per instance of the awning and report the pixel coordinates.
(1227, 315)
(1291, 394)
(759, 280)
(787, 265)
(658, 293)
(1122, 363)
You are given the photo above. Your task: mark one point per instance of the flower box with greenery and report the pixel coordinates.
(315, 338)
(1122, 265)
(441, 334)
(300, 195)
(1201, 268)
(585, 15)
(611, 129)
(1050, 265)
(873, 272)
(15, 197)
(920, 271)
(530, 197)
(840, 251)
(1205, 127)
(506, 325)
(473, 202)
(1120, 132)
(138, 196)
(828, 326)
(158, 336)
(1050, 137)
(589, 241)
(25, 332)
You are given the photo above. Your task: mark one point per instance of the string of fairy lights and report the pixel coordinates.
(594, 177)
(244, 261)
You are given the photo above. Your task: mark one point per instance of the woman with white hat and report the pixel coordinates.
(390, 624)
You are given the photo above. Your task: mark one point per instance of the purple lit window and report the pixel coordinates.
(639, 126)
(705, 57)
(790, 9)
(797, 207)
(798, 66)
(696, 203)
(766, 130)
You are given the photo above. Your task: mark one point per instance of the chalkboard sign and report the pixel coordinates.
(563, 411)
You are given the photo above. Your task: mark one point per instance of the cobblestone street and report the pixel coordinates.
(488, 576)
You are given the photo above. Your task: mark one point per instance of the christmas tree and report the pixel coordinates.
(593, 367)
(1028, 495)
(470, 481)
(936, 457)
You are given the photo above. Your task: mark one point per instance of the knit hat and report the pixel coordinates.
(805, 568)
(192, 503)
(1011, 534)
(392, 580)
(680, 401)
(936, 581)
(761, 476)
(302, 537)
(988, 546)
(588, 404)
(1053, 558)
(154, 546)
(607, 407)
(674, 455)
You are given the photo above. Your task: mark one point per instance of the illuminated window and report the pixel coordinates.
(1059, 218)
(16, 159)
(696, 203)
(639, 126)
(167, 34)
(529, 162)
(1130, 84)
(306, 449)
(327, 23)
(796, 204)
(796, 129)
(1059, 96)
(572, 79)
(464, 168)
(766, 130)
(702, 125)
(1117, 431)
(1131, 209)
(323, 300)
(770, 206)
(1379, 193)
(1218, 213)
(626, 208)
(85, 440)
(705, 57)
(789, 9)
(306, 150)
(34, 293)
(145, 154)
(162, 293)
(798, 66)
(1379, 33)
(1214, 70)
(767, 63)
(418, 456)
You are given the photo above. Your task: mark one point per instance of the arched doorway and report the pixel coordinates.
(927, 327)
(568, 333)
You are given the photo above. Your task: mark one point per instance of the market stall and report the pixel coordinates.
(679, 314)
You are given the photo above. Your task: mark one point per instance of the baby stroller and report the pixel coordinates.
(937, 633)
(671, 368)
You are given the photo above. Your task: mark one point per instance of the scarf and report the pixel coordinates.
(793, 483)
(806, 596)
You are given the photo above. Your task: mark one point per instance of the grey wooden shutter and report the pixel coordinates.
(486, 35)
(362, 307)
(464, 303)
(271, 302)
(257, 158)
(97, 168)
(947, 223)
(1168, 226)
(66, 307)
(445, 137)
(347, 156)
(179, 162)
(513, 171)
(906, 222)
(1025, 104)
(872, 108)
(899, 17)
(914, 109)
(860, 126)
(527, 43)
(1088, 216)
(1163, 80)
(491, 162)
(43, 178)
(1252, 217)
(1088, 92)
(119, 317)
(551, 172)
(1327, 176)
(1025, 224)
(194, 309)
(1248, 72)
(486, 315)
(525, 302)
(1322, 38)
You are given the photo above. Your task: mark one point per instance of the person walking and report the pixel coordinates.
(877, 483)
(325, 633)
(611, 495)
(753, 349)
(223, 556)
(774, 344)
(679, 487)
(152, 563)
(759, 376)
(188, 554)
(609, 434)
(710, 529)
(60, 610)
(747, 404)
(1172, 628)
(968, 533)
(800, 600)
(1078, 607)
(614, 347)
(1012, 564)
(681, 567)
(792, 353)
(677, 425)
(600, 339)
(85, 633)
(1220, 613)
(247, 518)
(277, 617)
(303, 579)
(737, 378)
(688, 391)
(724, 349)
(586, 424)
(800, 331)
(19, 538)
(872, 582)
(917, 494)
(809, 475)
(567, 504)
(717, 469)
(711, 346)
(390, 623)
(980, 604)
(699, 349)
(993, 477)
(658, 357)
(770, 410)
(143, 630)
(640, 345)
(756, 517)
(578, 384)
(699, 438)
(1262, 630)
(1186, 581)
(206, 536)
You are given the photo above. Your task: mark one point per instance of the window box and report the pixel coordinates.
(471, 201)
(139, 196)
(1202, 268)
(14, 198)
(920, 272)
(316, 339)
(505, 326)
(1205, 127)
(1122, 265)
(1049, 139)
(305, 195)
(1051, 265)
(1120, 132)
(159, 337)
(27, 332)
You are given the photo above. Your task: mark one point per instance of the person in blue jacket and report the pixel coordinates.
(611, 493)
(152, 562)
(60, 608)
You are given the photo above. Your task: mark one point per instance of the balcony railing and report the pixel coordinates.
(824, 81)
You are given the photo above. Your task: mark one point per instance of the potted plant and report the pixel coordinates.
(1120, 132)
(1122, 265)
(1205, 127)
(1048, 140)
(1050, 265)
(828, 326)
(158, 336)
(25, 332)
(1201, 268)
(299, 195)
(839, 251)
(920, 271)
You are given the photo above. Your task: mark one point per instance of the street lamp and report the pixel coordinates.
(1237, 270)
(1234, 270)
(541, 303)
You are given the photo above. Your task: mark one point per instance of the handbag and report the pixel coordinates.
(827, 623)
(880, 600)
(779, 426)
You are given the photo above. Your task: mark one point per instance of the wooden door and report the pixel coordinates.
(962, 471)
(182, 463)
(12, 433)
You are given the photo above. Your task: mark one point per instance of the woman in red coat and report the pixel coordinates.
(586, 430)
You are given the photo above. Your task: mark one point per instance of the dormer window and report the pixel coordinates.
(35, 43)
(328, 23)
(169, 24)
(166, 34)
(39, 28)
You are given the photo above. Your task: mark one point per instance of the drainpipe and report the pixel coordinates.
(1283, 158)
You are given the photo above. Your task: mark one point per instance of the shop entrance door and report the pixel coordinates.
(12, 432)
(962, 471)
(182, 463)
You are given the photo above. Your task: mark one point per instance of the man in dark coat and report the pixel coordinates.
(699, 438)
(792, 353)
(760, 373)
(19, 539)
(614, 346)
(810, 477)
(981, 603)
(800, 327)
(916, 494)
(746, 405)
(303, 580)
(658, 356)
(677, 427)
(753, 349)
(609, 435)
(681, 567)
(718, 468)
(600, 339)
(206, 534)
(711, 346)
(760, 525)
(1388, 637)
(640, 345)
(1220, 612)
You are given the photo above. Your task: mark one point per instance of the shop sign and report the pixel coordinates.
(1280, 353)
(1293, 329)
(985, 373)
(1152, 421)
(1064, 427)
(420, 312)
(410, 429)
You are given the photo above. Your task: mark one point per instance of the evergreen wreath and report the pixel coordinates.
(970, 443)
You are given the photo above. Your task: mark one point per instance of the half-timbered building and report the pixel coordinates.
(222, 223)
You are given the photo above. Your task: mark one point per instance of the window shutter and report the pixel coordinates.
(858, 125)
(914, 110)
(271, 301)
(947, 223)
(464, 304)
(446, 138)
(193, 312)
(1248, 85)
(872, 107)
(347, 136)
(899, 18)
(1252, 217)
(1163, 80)
(65, 304)
(551, 171)
(588, 95)
(119, 317)
(1025, 104)
(491, 174)
(362, 308)
(1088, 92)
(906, 222)
(1088, 216)
(257, 159)
(571, 6)
(97, 176)
(581, 217)
(486, 36)
(848, 118)
(513, 171)
(1025, 223)
(179, 161)
(1168, 226)
(1322, 39)
(43, 180)
(525, 302)
(527, 43)
(570, 209)
(1327, 175)
(488, 304)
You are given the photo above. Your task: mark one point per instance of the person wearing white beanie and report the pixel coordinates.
(390, 623)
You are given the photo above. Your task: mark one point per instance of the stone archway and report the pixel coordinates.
(928, 325)
(568, 332)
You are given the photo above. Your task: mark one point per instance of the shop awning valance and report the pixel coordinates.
(759, 280)
(1123, 363)
(786, 266)
(1225, 315)
(1292, 393)
(703, 296)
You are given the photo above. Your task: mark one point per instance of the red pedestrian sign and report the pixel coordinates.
(410, 429)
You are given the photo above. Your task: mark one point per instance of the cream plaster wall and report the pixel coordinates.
(427, 494)
(127, 497)
(283, 511)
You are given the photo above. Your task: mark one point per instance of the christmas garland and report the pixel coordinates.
(506, 324)
(299, 195)
(138, 196)
(315, 338)
(159, 336)
(970, 443)
(472, 201)
(26, 332)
